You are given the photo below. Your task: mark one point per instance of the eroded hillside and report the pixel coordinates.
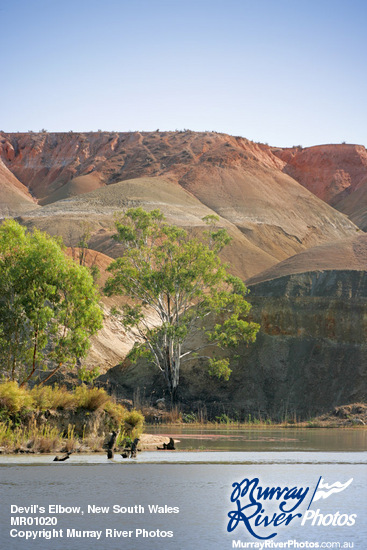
(336, 174)
(86, 178)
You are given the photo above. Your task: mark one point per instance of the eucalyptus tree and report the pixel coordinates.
(48, 305)
(184, 283)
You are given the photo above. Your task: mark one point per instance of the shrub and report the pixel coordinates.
(84, 374)
(48, 397)
(189, 418)
(14, 399)
(133, 423)
(90, 399)
(116, 412)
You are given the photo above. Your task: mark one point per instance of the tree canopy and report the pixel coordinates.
(183, 281)
(48, 305)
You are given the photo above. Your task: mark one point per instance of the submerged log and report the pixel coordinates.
(62, 458)
(112, 441)
(131, 452)
(111, 445)
(134, 448)
(168, 446)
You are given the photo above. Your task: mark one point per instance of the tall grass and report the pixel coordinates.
(90, 399)
(52, 397)
(36, 439)
(14, 399)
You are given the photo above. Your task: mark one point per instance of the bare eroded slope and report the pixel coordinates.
(269, 215)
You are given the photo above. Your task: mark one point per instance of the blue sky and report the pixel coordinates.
(286, 72)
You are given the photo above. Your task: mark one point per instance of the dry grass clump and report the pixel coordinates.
(52, 397)
(9, 437)
(174, 415)
(94, 443)
(91, 399)
(43, 439)
(48, 397)
(133, 423)
(14, 399)
(115, 411)
(35, 439)
(71, 442)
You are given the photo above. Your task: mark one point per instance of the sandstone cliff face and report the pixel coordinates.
(312, 350)
(310, 355)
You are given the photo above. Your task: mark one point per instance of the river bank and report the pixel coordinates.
(52, 419)
(345, 416)
(228, 441)
(197, 436)
(148, 442)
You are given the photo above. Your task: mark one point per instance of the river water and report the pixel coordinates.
(265, 439)
(194, 483)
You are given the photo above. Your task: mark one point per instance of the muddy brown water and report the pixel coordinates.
(264, 439)
(196, 479)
